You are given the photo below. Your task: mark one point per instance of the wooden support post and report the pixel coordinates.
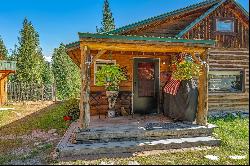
(203, 93)
(84, 118)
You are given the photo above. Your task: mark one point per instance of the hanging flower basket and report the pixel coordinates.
(184, 68)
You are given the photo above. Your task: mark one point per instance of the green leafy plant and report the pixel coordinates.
(110, 76)
(185, 69)
(72, 107)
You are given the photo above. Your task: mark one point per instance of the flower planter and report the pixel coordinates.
(112, 97)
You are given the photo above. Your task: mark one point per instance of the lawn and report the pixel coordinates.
(233, 131)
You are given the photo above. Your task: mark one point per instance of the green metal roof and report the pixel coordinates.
(163, 16)
(241, 8)
(74, 44)
(215, 3)
(7, 65)
(143, 38)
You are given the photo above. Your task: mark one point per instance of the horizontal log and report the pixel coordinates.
(229, 61)
(216, 65)
(234, 57)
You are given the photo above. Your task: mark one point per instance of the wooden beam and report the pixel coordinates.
(141, 47)
(99, 54)
(201, 118)
(84, 118)
(4, 75)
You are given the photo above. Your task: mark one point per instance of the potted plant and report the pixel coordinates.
(110, 76)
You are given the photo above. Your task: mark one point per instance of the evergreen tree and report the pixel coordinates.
(108, 22)
(29, 55)
(13, 57)
(66, 74)
(3, 50)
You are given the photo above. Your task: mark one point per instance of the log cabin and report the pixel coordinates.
(6, 68)
(214, 31)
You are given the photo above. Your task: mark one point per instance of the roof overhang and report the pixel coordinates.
(98, 42)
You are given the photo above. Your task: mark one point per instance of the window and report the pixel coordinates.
(225, 81)
(99, 63)
(224, 25)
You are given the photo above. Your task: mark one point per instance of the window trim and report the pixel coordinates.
(102, 61)
(243, 81)
(233, 33)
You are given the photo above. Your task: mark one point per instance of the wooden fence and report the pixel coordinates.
(18, 92)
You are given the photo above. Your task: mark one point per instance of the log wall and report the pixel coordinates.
(206, 28)
(98, 100)
(228, 60)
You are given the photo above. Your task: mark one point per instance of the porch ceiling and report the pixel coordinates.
(100, 42)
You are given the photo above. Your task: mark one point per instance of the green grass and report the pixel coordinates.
(45, 119)
(234, 133)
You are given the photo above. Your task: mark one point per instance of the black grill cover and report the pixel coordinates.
(182, 106)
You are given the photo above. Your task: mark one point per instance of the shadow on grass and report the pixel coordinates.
(34, 120)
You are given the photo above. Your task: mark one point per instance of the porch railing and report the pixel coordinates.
(7, 65)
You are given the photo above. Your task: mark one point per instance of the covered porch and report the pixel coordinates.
(92, 47)
(6, 68)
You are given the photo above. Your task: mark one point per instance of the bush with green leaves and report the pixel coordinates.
(72, 107)
(110, 76)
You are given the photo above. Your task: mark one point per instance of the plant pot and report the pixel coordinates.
(112, 97)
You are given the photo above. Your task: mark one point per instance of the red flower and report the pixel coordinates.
(174, 66)
(67, 118)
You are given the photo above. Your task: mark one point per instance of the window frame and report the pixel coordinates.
(228, 70)
(216, 19)
(104, 61)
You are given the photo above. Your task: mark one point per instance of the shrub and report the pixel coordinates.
(72, 105)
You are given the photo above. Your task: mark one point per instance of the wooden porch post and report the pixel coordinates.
(84, 118)
(203, 93)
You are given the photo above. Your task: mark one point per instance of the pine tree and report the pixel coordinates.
(3, 50)
(13, 57)
(108, 22)
(66, 74)
(29, 55)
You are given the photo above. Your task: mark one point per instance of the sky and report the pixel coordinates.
(59, 21)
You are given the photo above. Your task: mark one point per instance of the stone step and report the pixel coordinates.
(135, 133)
(128, 148)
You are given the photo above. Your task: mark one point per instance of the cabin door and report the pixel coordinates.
(146, 85)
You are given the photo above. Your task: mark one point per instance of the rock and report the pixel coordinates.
(104, 163)
(52, 131)
(37, 143)
(21, 151)
(237, 157)
(55, 134)
(212, 157)
(133, 163)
